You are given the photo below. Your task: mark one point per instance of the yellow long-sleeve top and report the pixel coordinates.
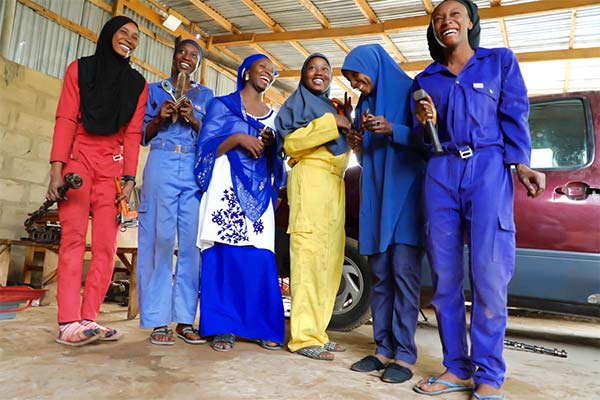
(306, 148)
(308, 143)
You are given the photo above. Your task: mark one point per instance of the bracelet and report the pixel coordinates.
(128, 178)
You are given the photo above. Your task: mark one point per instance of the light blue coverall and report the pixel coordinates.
(168, 210)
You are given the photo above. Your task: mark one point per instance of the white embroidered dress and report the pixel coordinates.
(220, 220)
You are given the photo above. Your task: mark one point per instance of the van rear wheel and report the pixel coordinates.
(353, 300)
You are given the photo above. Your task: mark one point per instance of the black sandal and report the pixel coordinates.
(226, 338)
(396, 373)
(368, 364)
(267, 344)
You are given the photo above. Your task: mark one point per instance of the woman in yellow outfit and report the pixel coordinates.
(310, 127)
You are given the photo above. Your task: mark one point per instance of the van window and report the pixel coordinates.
(560, 134)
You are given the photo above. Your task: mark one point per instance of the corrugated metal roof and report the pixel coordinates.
(44, 45)
(333, 52)
(290, 14)
(340, 13)
(539, 32)
(387, 9)
(587, 28)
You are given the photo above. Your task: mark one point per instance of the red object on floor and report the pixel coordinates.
(19, 294)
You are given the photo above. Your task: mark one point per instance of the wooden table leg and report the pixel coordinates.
(133, 309)
(49, 277)
(4, 263)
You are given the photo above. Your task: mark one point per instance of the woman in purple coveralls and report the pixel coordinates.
(478, 100)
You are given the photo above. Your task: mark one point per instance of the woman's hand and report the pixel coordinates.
(56, 181)
(354, 139)
(186, 110)
(347, 106)
(254, 146)
(425, 110)
(378, 124)
(534, 181)
(166, 110)
(342, 122)
(267, 136)
(126, 192)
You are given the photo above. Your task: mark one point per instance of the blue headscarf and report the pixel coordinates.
(251, 178)
(303, 106)
(245, 66)
(390, 96)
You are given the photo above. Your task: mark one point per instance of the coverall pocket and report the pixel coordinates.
(299, 221)
(504, 242)
(489, 91)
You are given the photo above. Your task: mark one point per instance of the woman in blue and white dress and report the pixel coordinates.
(239, 172)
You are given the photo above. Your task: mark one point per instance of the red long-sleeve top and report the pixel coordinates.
(69, 124)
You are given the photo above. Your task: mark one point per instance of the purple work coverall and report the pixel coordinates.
(482, 125)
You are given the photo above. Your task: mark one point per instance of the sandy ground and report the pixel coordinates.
(32, 366)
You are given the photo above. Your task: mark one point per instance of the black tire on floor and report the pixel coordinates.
(352, 306)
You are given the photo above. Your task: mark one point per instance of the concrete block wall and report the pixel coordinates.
(28, 102)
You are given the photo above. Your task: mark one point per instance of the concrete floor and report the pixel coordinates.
(32, 366)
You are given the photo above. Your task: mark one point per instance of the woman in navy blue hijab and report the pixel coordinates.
(389, 231)
(239, 173)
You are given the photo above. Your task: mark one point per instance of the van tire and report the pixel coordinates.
(355, 287)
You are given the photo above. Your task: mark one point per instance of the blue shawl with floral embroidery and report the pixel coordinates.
(255, 182)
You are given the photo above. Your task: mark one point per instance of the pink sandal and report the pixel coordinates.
(106, 334)
(75, 334)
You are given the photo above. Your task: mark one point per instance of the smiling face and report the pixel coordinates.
(261, 74)
(186, 58)
(359, 81)
(125, 40)
(451, 23)
(317, 76)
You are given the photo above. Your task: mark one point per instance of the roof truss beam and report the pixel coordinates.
(534, 56)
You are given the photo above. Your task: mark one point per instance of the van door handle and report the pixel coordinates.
(577, 190)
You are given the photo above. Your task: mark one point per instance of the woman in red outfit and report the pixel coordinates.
(97, 135)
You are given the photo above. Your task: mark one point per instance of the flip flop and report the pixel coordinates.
(228, 338)
(452, 387)
(162, 332)
(489, 396)
(188, 329)
(266, 345)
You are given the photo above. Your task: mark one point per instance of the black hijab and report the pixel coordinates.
(108, 87)
(436, 50)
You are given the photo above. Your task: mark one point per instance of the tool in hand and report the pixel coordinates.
(50, 233)
(126, 217)
(430, 128)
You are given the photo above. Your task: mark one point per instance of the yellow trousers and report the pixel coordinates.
(317, 240)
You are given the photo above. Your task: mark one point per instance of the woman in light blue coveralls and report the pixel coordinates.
(478, 99)
(169, 204)
(390, 213)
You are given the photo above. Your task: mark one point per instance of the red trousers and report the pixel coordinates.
(98, 161)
